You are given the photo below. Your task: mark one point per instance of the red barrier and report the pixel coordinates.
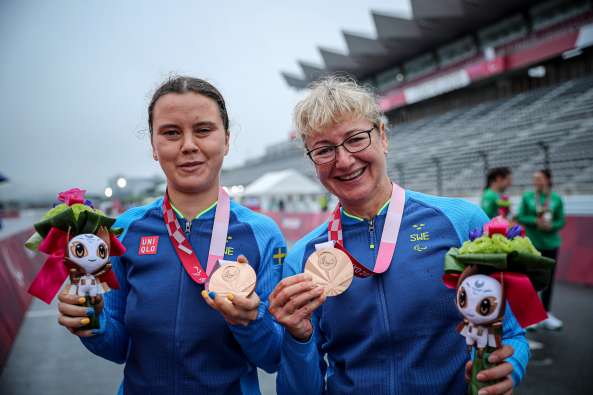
(575, 260)
(296, 225)
(18, 267)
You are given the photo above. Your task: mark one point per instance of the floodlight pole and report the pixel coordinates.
(439, 171)
(546, 149)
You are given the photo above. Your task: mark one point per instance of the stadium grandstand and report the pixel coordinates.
(469, 85)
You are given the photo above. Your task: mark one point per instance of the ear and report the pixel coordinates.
(384, 139)
(227, 137)
(154, 155)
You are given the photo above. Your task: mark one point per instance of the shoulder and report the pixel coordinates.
(528, 194)
(455, 207)
(463, 214)
(556, 196)
(134, 214)
(489, 194)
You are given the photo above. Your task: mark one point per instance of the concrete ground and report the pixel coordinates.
(47, 360)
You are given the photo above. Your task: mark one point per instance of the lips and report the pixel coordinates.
(189, 166)
(351, 176)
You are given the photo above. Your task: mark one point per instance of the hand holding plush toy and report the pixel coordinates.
(78, 240)
(497, 265)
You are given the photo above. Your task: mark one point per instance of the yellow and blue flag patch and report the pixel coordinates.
(279, 255)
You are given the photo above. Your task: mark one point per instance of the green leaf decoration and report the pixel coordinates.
(77, 219)
(536, 267)
(33, 242)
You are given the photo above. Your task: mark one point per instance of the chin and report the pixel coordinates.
(352, 191)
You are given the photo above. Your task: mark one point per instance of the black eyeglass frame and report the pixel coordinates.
(335, 147)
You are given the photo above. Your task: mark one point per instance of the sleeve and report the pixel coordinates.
(513, 335)
(489, 205)
(524, 216)
(302, 367)
(559, 220)
(111, 340)
(261, 339)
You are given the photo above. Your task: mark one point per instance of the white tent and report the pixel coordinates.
(282, 183)
(288, 188)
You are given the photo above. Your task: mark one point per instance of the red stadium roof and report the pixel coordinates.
(434, 23)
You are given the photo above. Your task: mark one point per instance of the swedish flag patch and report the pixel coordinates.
(279, 255)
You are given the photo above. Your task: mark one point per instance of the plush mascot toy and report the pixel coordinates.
(78, 240)
(497, 265)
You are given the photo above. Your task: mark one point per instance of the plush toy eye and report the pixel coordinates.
(102, 251)
(462, 298)
(79, 250)
(486, 306)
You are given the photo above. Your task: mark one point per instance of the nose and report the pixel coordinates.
(343, 158)
(188, 144)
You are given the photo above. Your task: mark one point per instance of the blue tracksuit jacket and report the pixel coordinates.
(393, 333)
(157, 323)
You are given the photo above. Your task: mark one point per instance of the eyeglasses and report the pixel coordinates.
(355, 143)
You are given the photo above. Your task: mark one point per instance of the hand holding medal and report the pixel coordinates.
(231, 291)
(331, 269)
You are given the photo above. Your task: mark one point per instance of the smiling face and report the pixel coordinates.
(355, 178)
(189, 141)
(479, 299)
(88, 251)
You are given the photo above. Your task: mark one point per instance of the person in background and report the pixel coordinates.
(498, 180)
(172, 335)
(541, 212)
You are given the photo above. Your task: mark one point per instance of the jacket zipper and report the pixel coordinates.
(178, 318)
(383, 301)
(372, 233)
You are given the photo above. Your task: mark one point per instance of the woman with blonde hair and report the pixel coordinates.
(393, 330)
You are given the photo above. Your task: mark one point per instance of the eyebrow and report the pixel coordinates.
(204, 123)
(195, 125)
(348, 134)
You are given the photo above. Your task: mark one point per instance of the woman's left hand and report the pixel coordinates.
(502, 371)
(236, 310)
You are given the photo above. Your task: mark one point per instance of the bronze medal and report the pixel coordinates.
(331, 269)
(233, 277)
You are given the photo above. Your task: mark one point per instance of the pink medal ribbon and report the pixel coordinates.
(184, 249)
(388, 237)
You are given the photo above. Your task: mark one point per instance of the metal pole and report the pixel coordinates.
(400, 172)
(484, 156)
(437, 163)
(546, 149)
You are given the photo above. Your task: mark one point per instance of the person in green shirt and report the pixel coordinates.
(541, 212)
(498, 180)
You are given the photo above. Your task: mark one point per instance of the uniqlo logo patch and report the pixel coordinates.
(148, 245)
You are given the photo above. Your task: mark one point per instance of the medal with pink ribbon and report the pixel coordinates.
(388, 237)
(183, 248)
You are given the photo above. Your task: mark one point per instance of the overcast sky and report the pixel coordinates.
(76, 77)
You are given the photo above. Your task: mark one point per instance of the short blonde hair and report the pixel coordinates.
(332, 100)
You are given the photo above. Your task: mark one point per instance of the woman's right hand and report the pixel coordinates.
(74, 314)
(292, 303)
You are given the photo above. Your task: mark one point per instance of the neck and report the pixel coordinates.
(543, 191)
(497, 189)
(370, 207)
(191, 204)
